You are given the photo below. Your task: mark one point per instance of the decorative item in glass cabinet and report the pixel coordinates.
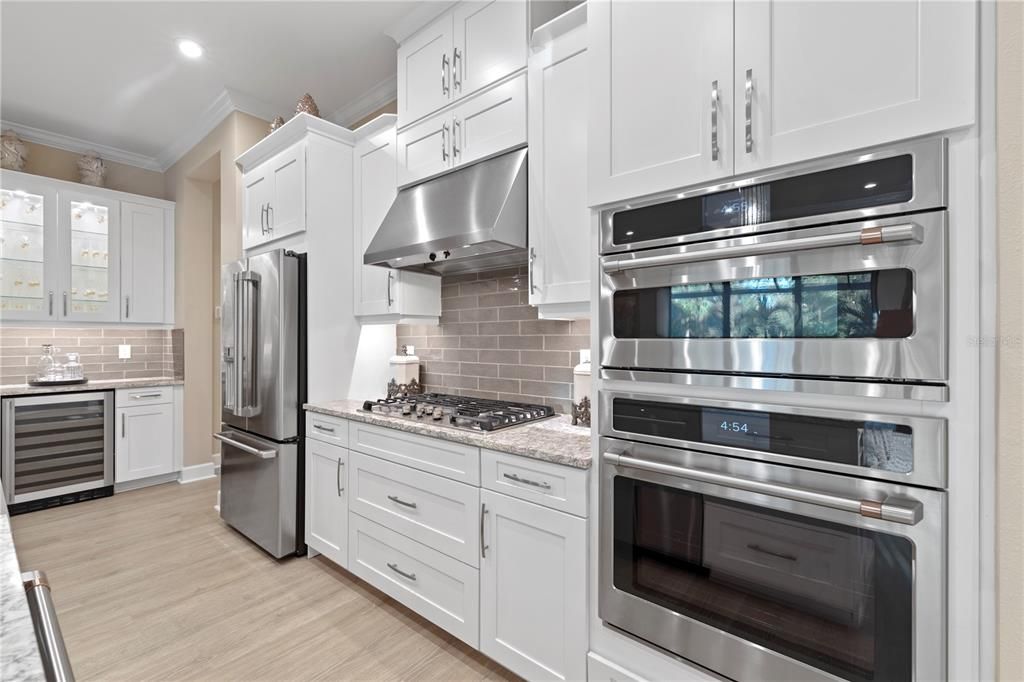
(306, 105)
(276, 123)
(91, 169)
(13, 153)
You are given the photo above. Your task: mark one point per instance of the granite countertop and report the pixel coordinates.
(552, 440)
(25, 389)
(19, 654)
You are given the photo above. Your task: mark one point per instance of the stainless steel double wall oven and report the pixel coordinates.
(759, 539)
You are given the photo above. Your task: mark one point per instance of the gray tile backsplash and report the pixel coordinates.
(155, 352)
(490, 343)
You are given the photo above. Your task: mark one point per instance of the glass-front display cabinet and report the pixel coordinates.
(29, 280)
(90, 248)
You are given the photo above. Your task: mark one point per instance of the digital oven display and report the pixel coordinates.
(736, 428)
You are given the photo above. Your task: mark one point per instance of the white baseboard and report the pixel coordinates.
(144, 482)
(197, 472)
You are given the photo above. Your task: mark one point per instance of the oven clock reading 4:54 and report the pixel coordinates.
(738, 428)
(735, 426)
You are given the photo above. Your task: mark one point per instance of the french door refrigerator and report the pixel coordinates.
(263, 388)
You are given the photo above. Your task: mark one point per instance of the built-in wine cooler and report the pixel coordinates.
(57, 449)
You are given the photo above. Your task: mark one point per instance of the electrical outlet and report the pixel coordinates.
(124, 351)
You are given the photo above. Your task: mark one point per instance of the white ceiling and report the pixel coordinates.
(110, 74)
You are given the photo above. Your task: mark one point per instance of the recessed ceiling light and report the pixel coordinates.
(190, 48)
(871, 185)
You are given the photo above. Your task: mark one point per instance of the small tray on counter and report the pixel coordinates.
(57, 382)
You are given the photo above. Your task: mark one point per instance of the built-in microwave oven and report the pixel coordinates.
(834, 269)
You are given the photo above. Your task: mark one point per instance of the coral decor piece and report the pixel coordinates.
(13, 153)
(307, 105)
(276, 123)
(91, 169)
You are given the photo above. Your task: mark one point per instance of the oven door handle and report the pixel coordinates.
(910, 232)
(897, 509)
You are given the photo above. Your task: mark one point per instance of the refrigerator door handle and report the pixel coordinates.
(249, 293)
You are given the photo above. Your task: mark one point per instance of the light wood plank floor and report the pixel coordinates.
(151, 585)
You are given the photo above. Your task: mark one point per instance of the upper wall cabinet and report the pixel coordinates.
(686, 93)
(816, 78)
(383, 295)
(660, 96)
(469, 47)
(274, 205)
(74, 253)
(559, 229)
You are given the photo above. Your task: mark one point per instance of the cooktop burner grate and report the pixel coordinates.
(471, 414)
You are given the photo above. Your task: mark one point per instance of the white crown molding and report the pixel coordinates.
(419, 17)
(370, 101)
(291, 132)
(79, 146)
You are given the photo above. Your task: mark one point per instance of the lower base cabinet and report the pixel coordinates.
(326, 500)
(533, 589)
(145, 442)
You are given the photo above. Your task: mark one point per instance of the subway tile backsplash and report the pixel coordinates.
(155, 352)
(490, 343)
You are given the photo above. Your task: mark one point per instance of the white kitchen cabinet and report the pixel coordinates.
(424, 70)
(559, 218)
(470, 47)
(655, 122)
(147, 258)
(29, 255)
(484, 125)
(533, 589)
(275, 197)
(490, 42)
(383, 295)
(90, 288)
(327, 500)
(828, 77)
(145, 442)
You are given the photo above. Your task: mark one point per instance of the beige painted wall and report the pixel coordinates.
(389, 108)
(1010, 359)
(63, 165)
(203, 242)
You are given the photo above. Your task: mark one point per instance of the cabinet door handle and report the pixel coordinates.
(749, 96)
(321, 427)
(338, 476)
(124, 423)
(536, 484)
(456, 151)
(456, 76)
(143, 396)
(65, 304)
(127, 307)
(396, 569)
(444, 72)
(780, 555)
(263, 218)
(444, 142)
(533, 257)
(714, 120)
(270, 217)
(390, 279)
(51, 304)
(483, 544)
(398, 500)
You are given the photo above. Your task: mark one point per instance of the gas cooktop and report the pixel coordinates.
(461, 412)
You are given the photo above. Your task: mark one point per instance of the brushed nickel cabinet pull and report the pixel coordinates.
(714, 120)
(338, 476)
(749, 97)
(536, 484)
(396, 569)
(397, 500)
(483, 545)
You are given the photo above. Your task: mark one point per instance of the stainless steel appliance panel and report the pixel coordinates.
(229, 338)
(929, 191)
(921, 440)
(839, 509)
(258, 489)
(918, 245)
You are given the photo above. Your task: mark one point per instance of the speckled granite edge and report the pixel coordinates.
(553, 440)
(19, 652)
(25, 389)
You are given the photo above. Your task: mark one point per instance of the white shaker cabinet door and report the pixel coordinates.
(145, 264)
(559, 218)
(375, 183)
(533, 589)
(490, 122)
(326, 500)
(828, 77)
(660, 96)
(287, 213)
(424, 149)
(145, 442)
(490, 42)
(256, 195)
(425, 71)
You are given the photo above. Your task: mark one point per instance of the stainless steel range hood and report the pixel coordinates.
(470, 220)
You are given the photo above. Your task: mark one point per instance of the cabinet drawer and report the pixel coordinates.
(600, 669)
(439, 588)
(444, 458)
(151, 395)
(824, 571)
(439, 512)
(327, 429)
(552, 485)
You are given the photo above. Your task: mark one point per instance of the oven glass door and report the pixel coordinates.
(756, 587)
(786, 304)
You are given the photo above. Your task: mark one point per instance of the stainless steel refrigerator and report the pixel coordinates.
(263, 387)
